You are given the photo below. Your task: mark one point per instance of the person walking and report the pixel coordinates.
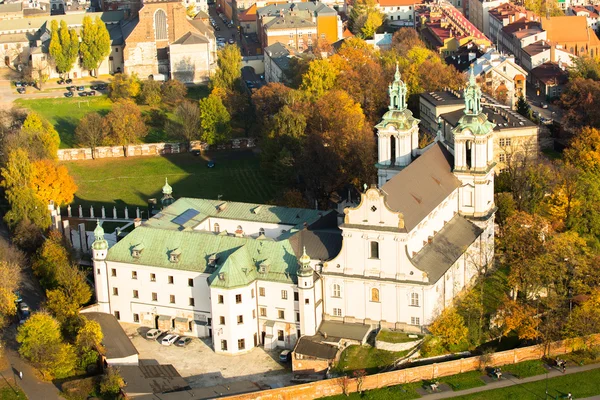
(21, 375)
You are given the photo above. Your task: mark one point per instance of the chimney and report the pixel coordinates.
(552, 53)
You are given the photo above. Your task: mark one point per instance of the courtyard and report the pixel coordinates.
(202, 367)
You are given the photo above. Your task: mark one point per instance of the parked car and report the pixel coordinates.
(68, 81)
(184, 341)
(91, 93)
(231, 41)
(21, 90)
(18, 297)
(19, 84)
(80, 88)
(61, 82)
(169, 340)
(543, 105)
(101, 86)
(71, 88)
(24, 307)
(210, 164)
(69, 94)
(83, 94)
(153, 334)
(216, 27)
(285, 356)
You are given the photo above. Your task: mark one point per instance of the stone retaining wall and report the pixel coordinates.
(396, 346)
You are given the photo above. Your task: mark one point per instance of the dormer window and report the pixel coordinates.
(221, 276)
(261, 231)
(263, 268)
(175, 255)
(212, 260)
(136, 252)
(217, 228)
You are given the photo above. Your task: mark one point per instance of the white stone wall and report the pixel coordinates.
(250, 228)
(192, 63)
(232, 331)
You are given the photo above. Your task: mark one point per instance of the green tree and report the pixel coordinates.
(585, 319)
(90, 335)
(64, 46)
(41, 343)
(214, 119)
(10, 281)
(229, 60)
(319, 78)
(111, 382)
(41, 138)
(151, 93)
(450, 328)
(91, 131)
(51, 257)
(365, 18)
(125, 123)
(95, 43)
(523, 107)
(124, 86)
(173, 91)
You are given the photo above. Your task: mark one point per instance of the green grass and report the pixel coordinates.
(399, 392)
(10, 393)
(525, 369)
(132, 181)
(582, 384)
(65, 114)
(395, 337)
(366, 357)
(552, 154)
(464, 381)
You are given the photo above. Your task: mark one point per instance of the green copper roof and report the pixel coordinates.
(99, 242)
(402, 120)
(204, 208)
(238, 257)
(477, 124)
(167, 189)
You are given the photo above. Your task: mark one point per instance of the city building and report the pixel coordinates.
(277, 61)
(298, 25)
(518, 35)
(549, 79)
(250, 275)
(465, 56)
(505, 14)
(501, 76)
(573, 34)
(542, 51)
(445, 29)
(479, 13)
(441, 111)
(399, 13)
(591, 15)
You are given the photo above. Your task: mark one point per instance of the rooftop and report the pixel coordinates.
(150, 379)
(536, 48)
(447, 97)
(550, 73)
(569, 29)
(308, 9)
(523, 27)
(502, 117)
(290, 21)
(398, 3)
(35, 23)
(115, 341)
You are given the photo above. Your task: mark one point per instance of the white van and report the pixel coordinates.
(153, 334)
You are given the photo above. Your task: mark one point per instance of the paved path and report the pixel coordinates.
(513, 382)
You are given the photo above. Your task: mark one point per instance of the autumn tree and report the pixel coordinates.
(365, 18)
(64, 46)
(111, 382)
(319, 78)
(88, 343)
(585, 319)
(450, 328)
(187, 121)
(40, 137)
(579, 100)
(150, 93)
(519, 318)
(42, 344)
(125, 123)
(214, 119)
(95, 43)
(405, 39)
(52, 182)
(269, 99)
(51, 257)
(173, 91)
(10, 281)
(124, 86)
(229, 61)
(584, 150)
(91, 131)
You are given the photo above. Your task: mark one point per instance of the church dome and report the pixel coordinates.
(477, 124)
(402, 120)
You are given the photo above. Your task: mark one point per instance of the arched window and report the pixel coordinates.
(468, 154)
(217, 229)
(337, 290)
(160, 25)
(392, 149)
(375, 250)
(375, 295)
(414, 299)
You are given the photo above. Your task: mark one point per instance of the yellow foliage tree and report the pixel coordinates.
(450, 327)
(43, 139)
(52, 182)
(519, 318)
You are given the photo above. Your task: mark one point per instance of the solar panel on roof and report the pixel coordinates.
(185, 216)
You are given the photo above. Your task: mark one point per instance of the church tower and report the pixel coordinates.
(306, 296)
(99, 251)
(397, 134)
(167, 198)
(474, 158)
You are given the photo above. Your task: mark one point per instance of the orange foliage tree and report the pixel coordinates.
(519, 318)
(52, 182)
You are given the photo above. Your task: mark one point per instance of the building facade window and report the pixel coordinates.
(238, 298)
(415, 321)
(375, 295)
(118, 315)
(337, 290)
(281, 314)
(263, 311)
(261, 292)
(414, 299)
(221, 320)
(297, 317)
(253, 314)
(154, 297)
(152, 277)
(192, 302)
(217, 228)
(160, 25)
(136, 294)
(241, 344)
(284, 294)
(190, 282)
(505, 142)
(115, 291)
(296, 296)
(170, 280)
(113, 272)
(375, 250)
(337, 312)
(224, 345)
(252, 293)
(240, 319)
(220, 299)
(133, 274)
(172, 299)
(136, 318)
(280, 336)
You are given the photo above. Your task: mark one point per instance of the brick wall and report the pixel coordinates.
(331, 387)
(309, 366)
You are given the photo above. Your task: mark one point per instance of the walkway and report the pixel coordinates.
(31, 385)
(513, 382)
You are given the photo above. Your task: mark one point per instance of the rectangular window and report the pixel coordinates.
(115, 291)
(238, 298)
(113, 272)
(136, 318)
(170, 279)
(261, 292)
(415, 321)
(241, 344)
(154, 297)
(118, 315)
(296, 296)
(297, 317)
(375, 250)
(192, 302)
(136, 295)
(221, 320)
(252, 293)
(306, 301)
(414, 299)
(253, 314)
(284, 294)
(172, 299)
(240, 319)
(337, 312)
(291, 35)
(280, 335)
(98, 271)
(220, 299)
(502, 157)
(281, 314)
(133, 274)
(190, 282)
(263, 311)
(152, 277)
(224, 345)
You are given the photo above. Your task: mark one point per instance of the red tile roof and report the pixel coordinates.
(398, 3)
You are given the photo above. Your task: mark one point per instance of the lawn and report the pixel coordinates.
(582, 384)
(464, 381)
(132, 181)
(399, 392)
(525, 369)
(65, 113)
(366, 357)
(8, 392)
(395, 337)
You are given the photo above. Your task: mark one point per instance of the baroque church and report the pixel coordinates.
(249, 275)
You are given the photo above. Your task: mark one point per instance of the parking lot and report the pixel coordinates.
(201, 366)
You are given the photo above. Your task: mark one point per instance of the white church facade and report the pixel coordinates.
(250, 275)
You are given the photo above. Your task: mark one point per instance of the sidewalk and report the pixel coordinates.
(513, 382)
